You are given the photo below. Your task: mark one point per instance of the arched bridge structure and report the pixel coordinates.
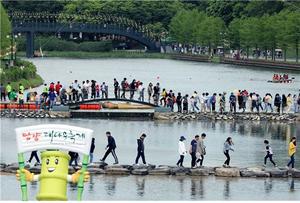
(57, 23)
(110, 99)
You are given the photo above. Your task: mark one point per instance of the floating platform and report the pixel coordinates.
(114, 113)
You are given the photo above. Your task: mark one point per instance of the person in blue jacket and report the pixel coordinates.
(141, 149)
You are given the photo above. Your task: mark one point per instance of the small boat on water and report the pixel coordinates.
(282, 81)
(277, 78)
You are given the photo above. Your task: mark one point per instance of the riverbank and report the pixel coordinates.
(159, 116)
(100, 168)
(259, 63)
(24, 72)
(95, 55)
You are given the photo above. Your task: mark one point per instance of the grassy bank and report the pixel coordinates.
(23, 72)
(33, 82)
(113, 54)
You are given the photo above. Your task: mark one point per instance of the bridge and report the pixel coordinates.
(58, 23)
(110, 99)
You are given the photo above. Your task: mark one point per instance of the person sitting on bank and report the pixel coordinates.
(141, 149)
(110, 148)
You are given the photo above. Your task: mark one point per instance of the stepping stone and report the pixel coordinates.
(139, 172)
(117, 171)
(35, 169)
(254, 172)
(160, 171)
(96, 171)
(199, 172)
(227, 172)
(277, 173)
(179, 171)
(296, 173)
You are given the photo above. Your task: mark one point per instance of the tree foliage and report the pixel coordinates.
(5, 28)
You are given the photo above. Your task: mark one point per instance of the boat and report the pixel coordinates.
(282, 81)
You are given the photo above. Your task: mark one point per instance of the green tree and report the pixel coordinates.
(5, 29)
(212, 32)
(293, 31)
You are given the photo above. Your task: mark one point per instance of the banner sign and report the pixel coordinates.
(52, 136)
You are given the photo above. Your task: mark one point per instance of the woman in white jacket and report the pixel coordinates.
(182, 151)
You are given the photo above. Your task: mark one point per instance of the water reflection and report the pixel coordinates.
(140, 186)
(197, 188)
(226, 191)
(110, 185)
(268, 185)
(91, 183)
(292, 185)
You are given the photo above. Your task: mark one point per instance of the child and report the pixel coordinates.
(228, 145)
(182, 151)
(292, 152)
(269, 154)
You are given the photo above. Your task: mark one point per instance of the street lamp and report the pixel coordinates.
(13, 56)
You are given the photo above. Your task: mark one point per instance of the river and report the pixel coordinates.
(162, 137)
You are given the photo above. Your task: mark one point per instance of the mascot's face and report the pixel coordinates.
(52, 165)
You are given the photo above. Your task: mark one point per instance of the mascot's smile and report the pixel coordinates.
(51, 169)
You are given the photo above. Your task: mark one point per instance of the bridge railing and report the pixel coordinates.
(37, 26)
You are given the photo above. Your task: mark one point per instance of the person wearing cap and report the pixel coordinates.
(182, 151)
(141, 149)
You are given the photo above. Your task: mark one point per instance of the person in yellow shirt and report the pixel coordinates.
(292, 152)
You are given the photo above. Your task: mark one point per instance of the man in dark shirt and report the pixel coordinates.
(193, 150)
(110, 148)
(116, 88)
(140, 149)
(123, 86)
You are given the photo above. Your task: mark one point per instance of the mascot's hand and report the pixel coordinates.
(28, 175)
(75, 176)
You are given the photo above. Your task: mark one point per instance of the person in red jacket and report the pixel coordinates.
(58, 87)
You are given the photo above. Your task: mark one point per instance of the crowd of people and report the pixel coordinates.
(197, 151)
(239, 100)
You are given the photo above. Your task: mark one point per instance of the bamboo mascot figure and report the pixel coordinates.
(54, 176)
(53, 140)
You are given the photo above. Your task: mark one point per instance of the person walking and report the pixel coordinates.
(141, 149)
(292, 152)
(132, 89)
(232, 101)
(228, 145)
(110, 148)
(277, 102)
(92, 149)
(201, 149)
(156, 90)
(8, 89)
(124, 85)
(185, 104)
(283, 103)
(193, 151)
(269, 154)
(179, 102)
(34, 155)
(150, 91)
(141, 90)
(182, 151)
(74, 157)
(116, 88)
(2, 91)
